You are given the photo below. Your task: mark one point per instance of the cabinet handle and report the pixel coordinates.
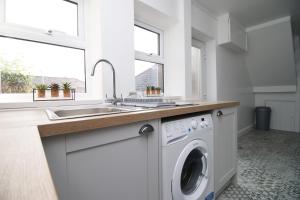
(147, 128)
(219, 113)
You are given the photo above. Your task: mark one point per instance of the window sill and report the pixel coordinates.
(19, 101)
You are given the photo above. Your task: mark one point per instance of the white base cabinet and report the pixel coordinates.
(120, 163)
(109, 164)
(225, 147)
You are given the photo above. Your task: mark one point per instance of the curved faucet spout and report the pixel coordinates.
(114, 75)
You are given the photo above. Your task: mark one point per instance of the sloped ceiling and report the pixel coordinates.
(270, 59)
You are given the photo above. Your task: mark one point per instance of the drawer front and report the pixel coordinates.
(98, 137)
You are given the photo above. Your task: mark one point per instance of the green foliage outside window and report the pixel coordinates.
(14, 78)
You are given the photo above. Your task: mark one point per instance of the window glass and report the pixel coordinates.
(192, 174)
(24, 64)
(148, 74)
(146, 41)
(56, 15)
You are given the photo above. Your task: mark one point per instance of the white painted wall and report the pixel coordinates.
(167, 7)
(270, 58)
(233, 83)
(117, 43)
(203, 21)
(175, 21)
(227, 75)
(271, 62)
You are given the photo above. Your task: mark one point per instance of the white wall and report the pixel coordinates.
(167, 7)
(271, 62)
(271, 50)
(233, 83)
(93, 50)
(174, 19)
(227, 75)
(117, 42)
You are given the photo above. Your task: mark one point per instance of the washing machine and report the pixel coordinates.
(187, 158)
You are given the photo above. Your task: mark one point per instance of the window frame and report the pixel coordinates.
(40, 35)
(159, 59)
(31, 34)
(152, 58)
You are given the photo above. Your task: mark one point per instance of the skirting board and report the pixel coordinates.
(276, 89)
(245, 130)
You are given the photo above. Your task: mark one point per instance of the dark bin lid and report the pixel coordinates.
(263, 108)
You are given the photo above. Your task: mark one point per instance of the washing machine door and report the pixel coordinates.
(190, 177)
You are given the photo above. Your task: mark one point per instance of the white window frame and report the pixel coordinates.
(40, 35)
(159, 59)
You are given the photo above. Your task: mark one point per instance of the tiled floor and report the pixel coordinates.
(268, 167)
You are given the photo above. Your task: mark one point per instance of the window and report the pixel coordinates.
(149, 69)
(41, 41)
(55, 15)
(140, 41)
(199, 88)
(24, 64)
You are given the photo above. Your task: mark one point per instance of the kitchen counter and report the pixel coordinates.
(24, 172)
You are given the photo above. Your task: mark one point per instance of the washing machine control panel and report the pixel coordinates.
(177, 130)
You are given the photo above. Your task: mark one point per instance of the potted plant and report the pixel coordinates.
(41, 89)
(158, 89)
(67, 89)
(152, 90)
(148, 90)
(54, 89)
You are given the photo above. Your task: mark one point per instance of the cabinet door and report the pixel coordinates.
(110, 164)
(225, 146)
(238, 35)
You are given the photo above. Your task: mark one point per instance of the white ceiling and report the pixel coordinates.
(253, 12)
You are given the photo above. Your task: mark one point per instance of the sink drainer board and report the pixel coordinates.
(150, 102)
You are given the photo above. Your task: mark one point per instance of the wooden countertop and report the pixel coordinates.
(24, 173)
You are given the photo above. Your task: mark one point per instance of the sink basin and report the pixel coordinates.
(86, 112)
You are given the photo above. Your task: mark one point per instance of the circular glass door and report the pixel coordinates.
(190, 175)
(192, 172)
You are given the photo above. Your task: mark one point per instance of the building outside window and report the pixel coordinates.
(149, 66)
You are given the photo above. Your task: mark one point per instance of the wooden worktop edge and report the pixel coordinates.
(91, 123)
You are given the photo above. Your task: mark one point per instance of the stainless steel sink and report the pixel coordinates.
(87, 112)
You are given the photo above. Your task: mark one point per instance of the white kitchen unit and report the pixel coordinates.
(231, 34)
(112, 163)
(225, 148)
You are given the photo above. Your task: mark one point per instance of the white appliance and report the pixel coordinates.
(187, 158)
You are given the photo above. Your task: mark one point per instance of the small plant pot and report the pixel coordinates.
(157, 92)
(54, 93)
(67, 93)
(148, 92)
(153, 92)
(41, 93)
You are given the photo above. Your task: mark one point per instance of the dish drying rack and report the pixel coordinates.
(149, 102)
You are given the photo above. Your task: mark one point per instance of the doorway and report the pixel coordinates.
(198, 70)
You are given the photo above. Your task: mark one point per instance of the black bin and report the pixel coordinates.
(263, 116)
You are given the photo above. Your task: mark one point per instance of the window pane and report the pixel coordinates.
(24, 64)
(146, 41)
(148, 74)
(57, 15)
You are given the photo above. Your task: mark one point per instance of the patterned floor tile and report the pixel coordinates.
(268, 167)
